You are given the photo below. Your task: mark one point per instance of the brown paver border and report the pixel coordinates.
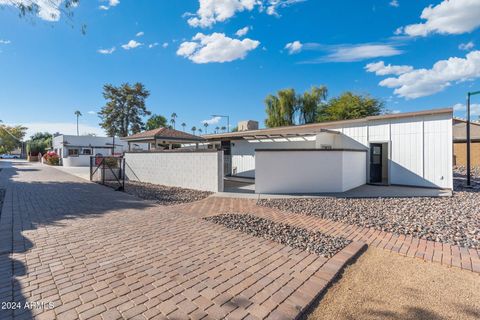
(328, 274)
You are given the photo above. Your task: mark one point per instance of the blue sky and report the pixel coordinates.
(204, 57)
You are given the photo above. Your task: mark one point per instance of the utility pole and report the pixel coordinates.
(222, 116)
(469, 139)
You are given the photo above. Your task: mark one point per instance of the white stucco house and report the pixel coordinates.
(75, 151)
(412, 149)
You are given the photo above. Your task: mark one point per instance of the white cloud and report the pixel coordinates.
(5, 41)
(242, 32)
(462, 109)
(349, 53)
(424, 82)
(273, 5)
(48, 10)
(132, 44)
(394, 3)
(111, 3)
(448, 17)
(212, 121)
(294, 47)
(152, 45)
(215, 47)
(381, 69)
(92, 112)
(62, 127)
(466, 46)
(107, 51)
(139, 34)
(165, 45)
(213, 11)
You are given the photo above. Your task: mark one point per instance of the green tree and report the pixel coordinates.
(217, 129)
(156, 121)
(200, 131)
(11, 137)
(125, 109)
(194, 129)
(183, 125)
(30, 8)
(39, 143)
(350, 106)
(205, 124)
(234, 129)
(310, 103)
(78, 114)
(281, 108)
(223, 128)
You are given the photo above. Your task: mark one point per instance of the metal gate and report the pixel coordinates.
(109, 171)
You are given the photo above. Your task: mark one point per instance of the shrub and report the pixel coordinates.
(52, 158)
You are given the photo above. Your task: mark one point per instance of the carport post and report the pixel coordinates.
(469, 140)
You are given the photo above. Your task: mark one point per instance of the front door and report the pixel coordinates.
(376, 156)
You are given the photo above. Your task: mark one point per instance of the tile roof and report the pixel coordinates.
(164, 133)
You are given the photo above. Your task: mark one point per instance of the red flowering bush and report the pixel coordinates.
(52, 158)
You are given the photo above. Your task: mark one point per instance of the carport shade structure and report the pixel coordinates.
(162, 135)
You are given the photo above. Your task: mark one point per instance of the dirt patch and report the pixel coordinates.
(384, 285)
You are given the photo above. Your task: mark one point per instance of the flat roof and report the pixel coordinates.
(313, 128)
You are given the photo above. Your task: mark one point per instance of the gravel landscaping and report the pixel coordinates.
(163, 195)
(315, 242)
(453, 220)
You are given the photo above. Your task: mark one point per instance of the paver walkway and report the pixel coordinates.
(70, 249)
(450, 255)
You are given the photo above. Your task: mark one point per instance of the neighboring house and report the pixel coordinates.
(160, 139)
(75, 151)
(413, 149)
(460, 142)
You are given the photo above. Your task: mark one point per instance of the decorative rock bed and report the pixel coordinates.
(163, 195)
(315, 242)
(453, 220)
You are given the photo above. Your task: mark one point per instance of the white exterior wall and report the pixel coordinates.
(80, 161)
(420, 148)
(290, 172)
(193, 170)
(243, 151)
(354, 173)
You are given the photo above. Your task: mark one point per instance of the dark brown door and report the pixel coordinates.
(376, 156)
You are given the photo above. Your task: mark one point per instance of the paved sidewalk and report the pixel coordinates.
(70, 249)
(449, 255)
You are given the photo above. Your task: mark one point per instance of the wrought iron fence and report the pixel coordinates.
(109, 171)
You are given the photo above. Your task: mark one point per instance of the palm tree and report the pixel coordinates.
(183, 125)
(216, 129)
(194, 129)
(205, 124)
(172, 121)
(200, 131)
(224, 129)
(78, 114)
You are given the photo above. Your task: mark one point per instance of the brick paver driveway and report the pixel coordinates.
(70, 249)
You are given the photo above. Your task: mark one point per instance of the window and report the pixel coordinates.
(73, 152)
(87, 152)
